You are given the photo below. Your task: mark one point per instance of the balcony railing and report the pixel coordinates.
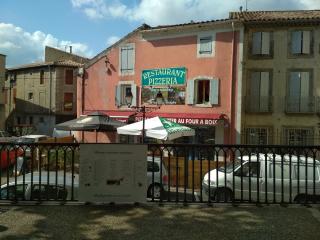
(300, 104)
(256, 104)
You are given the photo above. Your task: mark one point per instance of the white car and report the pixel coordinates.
(28, 187)
(293, 179)
(30, 139)
(155, 185)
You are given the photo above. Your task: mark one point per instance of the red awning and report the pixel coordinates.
(208, 119)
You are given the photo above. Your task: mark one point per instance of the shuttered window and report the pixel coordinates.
(122, 90)
(127, 58)
(301, 42)
(300, 97)
(68, 102)
(261, 43)
(69, 76)
(203, 91)
(41, 77)
(260, 92)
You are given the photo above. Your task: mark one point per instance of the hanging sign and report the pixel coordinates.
(163, 76)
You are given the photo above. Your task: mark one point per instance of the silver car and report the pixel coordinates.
(28, 187)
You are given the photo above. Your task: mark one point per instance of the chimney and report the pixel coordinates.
(70, 49)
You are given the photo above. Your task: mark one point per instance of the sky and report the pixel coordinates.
(90, 26)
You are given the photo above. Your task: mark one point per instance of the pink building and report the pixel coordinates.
(195, 66)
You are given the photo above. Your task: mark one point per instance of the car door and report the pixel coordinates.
(246, 180)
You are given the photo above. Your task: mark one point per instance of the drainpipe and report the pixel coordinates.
(50, 89)
(82, 93)
(233, 82)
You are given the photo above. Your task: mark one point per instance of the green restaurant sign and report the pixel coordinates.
(164, 76)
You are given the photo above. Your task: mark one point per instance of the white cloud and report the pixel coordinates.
(111, 40)
(159, 12)
(23, 47)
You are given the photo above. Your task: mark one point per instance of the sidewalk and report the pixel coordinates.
(154, 222)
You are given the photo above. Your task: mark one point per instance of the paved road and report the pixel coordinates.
(154, 222)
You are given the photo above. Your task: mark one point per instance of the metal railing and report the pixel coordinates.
(238, 174)
(256, 104)
(186, 173)
(300, 104)
(39, 172)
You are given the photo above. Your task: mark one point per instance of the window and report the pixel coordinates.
(203, 88)
(300, 88)
(68, 102)
(301, 171)
(153, 167)
(42, 77)
(280, 171)
(259, 99)
(69, 76)
(301, 42)
(127, 55)
(261, 43)
(298, 136)
(251, 169)
(49, 192)
(203, 92)
(258, 135)
(13, 192)
(122, 90)
(205, 46)
(31, 120)
(30, 96)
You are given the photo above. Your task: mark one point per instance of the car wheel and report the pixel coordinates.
(223, 195)
(156, 189)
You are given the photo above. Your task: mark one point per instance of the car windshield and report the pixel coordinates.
(230, 166)
(25, 140)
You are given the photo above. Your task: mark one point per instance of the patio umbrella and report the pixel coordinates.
(157, 127)
(95, 121)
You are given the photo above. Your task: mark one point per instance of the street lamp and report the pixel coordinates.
(143, 109)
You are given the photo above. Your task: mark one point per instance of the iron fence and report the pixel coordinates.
(238, 173)
(39, 171)
(187, 173)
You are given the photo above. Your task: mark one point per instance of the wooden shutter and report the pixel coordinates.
(306, 42)
(305, 84)
(134, 95)
(118, 95)
(254, 100)
(305, 100)
(256, 43)
(214, 91)
(296, 42)
(130, 56)
(265, 45)
(264, 91)
(190, 92)
(124, 58)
